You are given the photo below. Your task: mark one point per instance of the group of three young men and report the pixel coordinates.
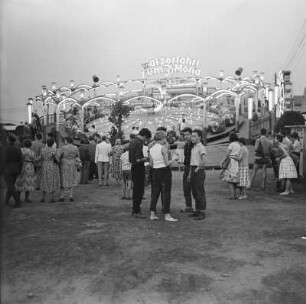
(193, 177)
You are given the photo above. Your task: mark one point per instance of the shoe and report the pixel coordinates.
(153, 217)
(169, 218)
(52, 200)
(123, 198)
(61, 199)
(291, 192)
(42, 200)
(242, 197)
(233, 197)
(194, 214)
(71, 199)
(17, 205)
(284, 193)
(138, 215)
(201, 216)
(187, 209)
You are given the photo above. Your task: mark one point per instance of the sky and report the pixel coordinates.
(58, 40)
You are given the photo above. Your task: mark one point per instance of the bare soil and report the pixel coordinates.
(93, 251)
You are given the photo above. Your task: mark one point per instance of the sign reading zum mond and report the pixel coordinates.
(171, 65)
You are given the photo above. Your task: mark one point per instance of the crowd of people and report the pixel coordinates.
(141, 161)
(282, 153)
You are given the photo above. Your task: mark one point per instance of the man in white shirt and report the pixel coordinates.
(197, 175)
(102, 158)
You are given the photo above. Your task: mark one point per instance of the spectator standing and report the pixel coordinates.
(102, 159)
(26, 180)
(161, 177)
(244, 173)
(126, 174)
(186, 181)
(197, 175)
(231, 173)
(180, 143)
(12, 159)
(263, 152)
(85, 158)
(296, 151)
(117, 150)
(68, 156)
(287, 170)
(50, 177)
(93, 170)
(137, 159)
(37, 145)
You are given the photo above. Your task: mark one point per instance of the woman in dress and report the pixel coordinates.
(26, 180)
(287, 170)
(117, 150)
(50, 177)
(231, 173)
(68, 156)
(244, 173)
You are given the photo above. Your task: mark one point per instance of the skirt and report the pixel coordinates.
(287, 168)
(244, 177)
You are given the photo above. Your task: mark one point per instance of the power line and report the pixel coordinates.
(297, 44)
(299, 56)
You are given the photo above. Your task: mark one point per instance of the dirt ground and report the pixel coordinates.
(93, 251)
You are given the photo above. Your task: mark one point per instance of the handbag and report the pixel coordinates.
(225, 163)
(78, 163)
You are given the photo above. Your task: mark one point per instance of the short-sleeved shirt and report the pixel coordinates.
(196, 152)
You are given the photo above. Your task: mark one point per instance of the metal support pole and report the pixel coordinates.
(204, 123)
(237, 103)
(82, 119)
(57, 127)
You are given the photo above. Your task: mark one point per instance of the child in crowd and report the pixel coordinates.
(126, 174)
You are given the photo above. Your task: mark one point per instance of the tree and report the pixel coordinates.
(119, 111)
(289, 118)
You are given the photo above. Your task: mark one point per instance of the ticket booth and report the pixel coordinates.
(301, 131)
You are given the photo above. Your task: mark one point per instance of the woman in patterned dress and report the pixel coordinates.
(68, 155)
(117, 151)
(26, 180)
(244, 173)
(287, 169)
(50, 176)
(231, 173)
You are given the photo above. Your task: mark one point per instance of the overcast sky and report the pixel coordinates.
(59, 40)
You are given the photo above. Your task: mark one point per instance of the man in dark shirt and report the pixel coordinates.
(137, 159)
(186, 182)
(13, 161)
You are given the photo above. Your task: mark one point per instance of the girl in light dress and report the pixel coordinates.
(287, 169)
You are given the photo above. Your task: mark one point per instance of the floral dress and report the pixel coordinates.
(231, 173)
(68, 155)
(50, 176)
(287, 168)
(26, 179)
(116, 163)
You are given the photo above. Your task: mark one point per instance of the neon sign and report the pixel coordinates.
(170, 65)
